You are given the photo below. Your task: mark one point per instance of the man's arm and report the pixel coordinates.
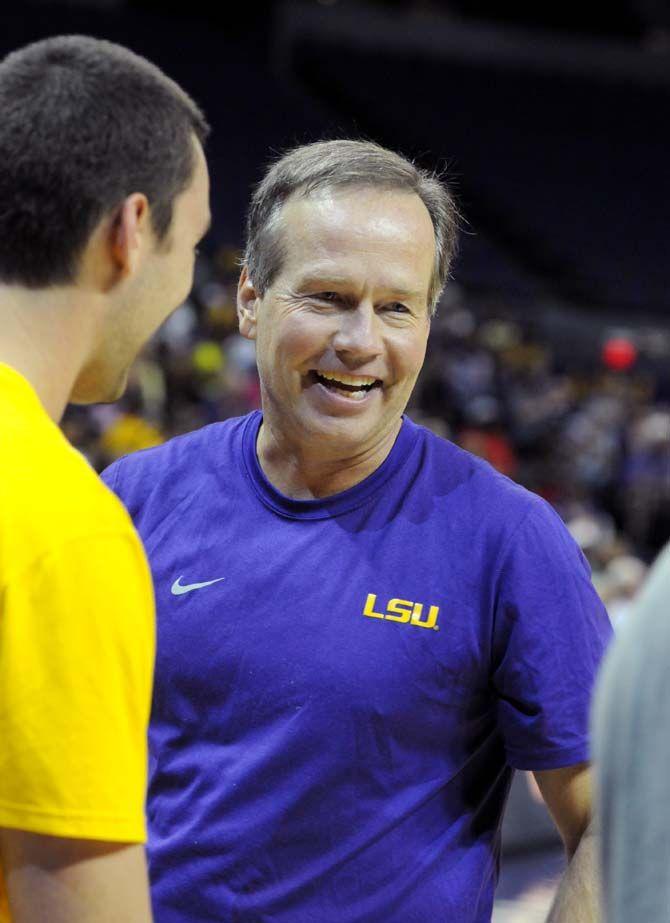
(76, 646)
(567, 794)
(58, 880)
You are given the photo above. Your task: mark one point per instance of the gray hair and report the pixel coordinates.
(328, 165)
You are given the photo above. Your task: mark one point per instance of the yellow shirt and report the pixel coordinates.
(77, 637)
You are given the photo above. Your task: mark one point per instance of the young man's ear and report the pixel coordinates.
(130, 224)
(247, 305)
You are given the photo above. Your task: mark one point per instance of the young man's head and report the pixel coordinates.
(103, 187)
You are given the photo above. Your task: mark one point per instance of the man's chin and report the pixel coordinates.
(97, 389)
(338, 433)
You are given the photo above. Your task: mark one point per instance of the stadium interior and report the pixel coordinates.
(550, 352)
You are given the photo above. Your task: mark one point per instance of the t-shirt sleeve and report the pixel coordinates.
(551, 630)
(77, 641)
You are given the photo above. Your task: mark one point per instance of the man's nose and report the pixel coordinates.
(359, 335)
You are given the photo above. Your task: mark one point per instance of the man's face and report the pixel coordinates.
(160, 284)
(341, 333)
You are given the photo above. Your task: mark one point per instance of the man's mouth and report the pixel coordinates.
(354, 387)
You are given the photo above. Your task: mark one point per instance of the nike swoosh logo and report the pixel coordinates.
(178, 589)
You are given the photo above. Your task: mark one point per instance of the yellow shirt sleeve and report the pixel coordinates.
(77, 644)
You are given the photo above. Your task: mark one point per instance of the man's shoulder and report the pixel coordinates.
(472, 481)
(646, 630)
(183, 460)
(50, 495)
(486, 508)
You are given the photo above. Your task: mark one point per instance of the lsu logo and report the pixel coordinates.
(402, 610)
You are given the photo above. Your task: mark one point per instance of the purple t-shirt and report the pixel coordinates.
(343, 686)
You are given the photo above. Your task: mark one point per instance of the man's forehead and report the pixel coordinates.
(333, 205)
(339, 224)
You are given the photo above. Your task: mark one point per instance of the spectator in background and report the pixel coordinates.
(103, 198)
(646, 478)
(631, 722)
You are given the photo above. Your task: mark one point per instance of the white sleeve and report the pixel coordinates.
(631, 730)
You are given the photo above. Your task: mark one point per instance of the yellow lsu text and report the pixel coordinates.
(402, 610)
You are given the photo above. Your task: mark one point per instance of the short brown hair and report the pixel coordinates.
(334, 165)
(84, 124)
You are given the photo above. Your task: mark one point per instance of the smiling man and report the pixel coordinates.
(362, 629)
(341, 335)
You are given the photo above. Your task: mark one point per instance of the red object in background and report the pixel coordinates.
(619, 353)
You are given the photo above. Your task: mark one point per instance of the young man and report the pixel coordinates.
(103, 198)
(362, 629)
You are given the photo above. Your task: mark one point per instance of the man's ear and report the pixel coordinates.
(130, 226)
(247, 305)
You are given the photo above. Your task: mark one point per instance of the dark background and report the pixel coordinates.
(552, 118)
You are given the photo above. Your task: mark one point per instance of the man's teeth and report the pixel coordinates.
(355, 387)
(353, 381)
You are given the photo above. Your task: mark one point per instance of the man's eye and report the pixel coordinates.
(327, 296)
(398, 307)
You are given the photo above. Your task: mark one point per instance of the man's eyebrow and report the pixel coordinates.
(323, 281)
(406, 293)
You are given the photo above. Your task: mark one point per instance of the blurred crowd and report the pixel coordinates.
(574, 410)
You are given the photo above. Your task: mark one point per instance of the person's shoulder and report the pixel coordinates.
(474, 482)
(50, 496)
(647, 626)
(656, 591)
(633, 678)
(176, 464)
(497, 513)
